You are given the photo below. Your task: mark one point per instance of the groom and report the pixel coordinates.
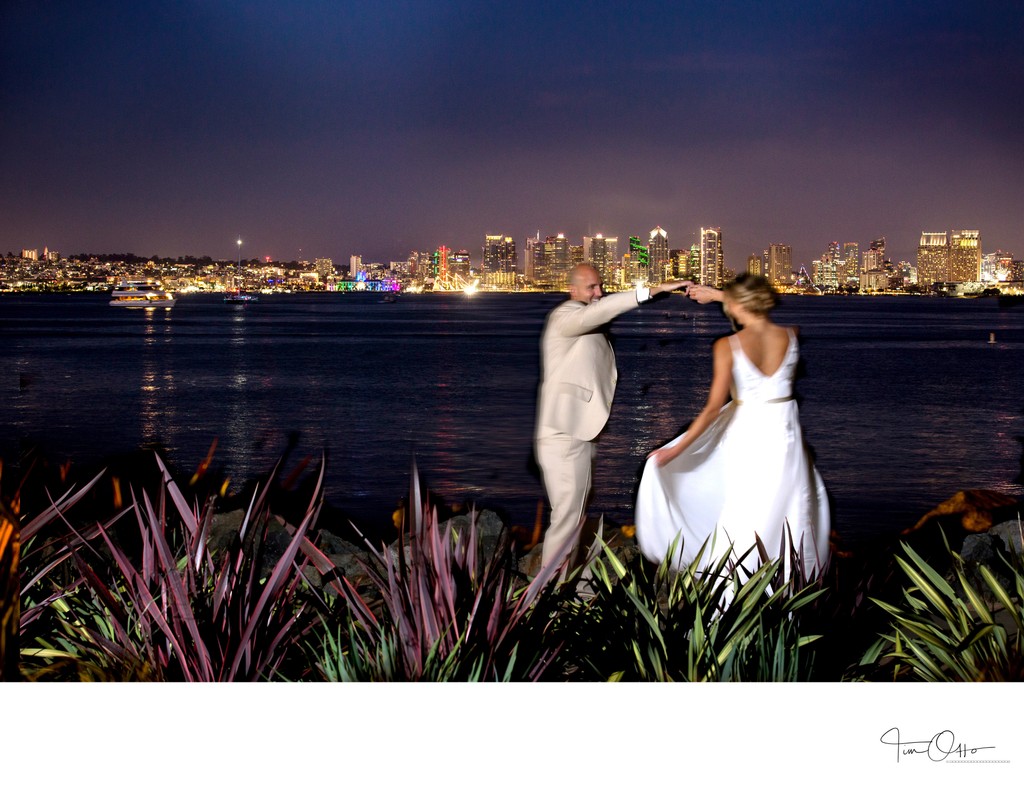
(578, 376)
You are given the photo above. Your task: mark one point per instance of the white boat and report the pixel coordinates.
(141, 295)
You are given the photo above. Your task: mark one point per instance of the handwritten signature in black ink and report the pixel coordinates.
(938, 748)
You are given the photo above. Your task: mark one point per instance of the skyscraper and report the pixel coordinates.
(499, 261)
(964, 256)
(600, 251)
(459, 263)
(874, 256)
(753, 264)
(851, 249)
(534, 259)
(712, 262)
(780, 264)
(932, 259)
(557, 260)
(641, 260)
(657, 248)
(826, 271)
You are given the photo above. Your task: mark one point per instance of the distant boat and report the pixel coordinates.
(238, 297)
(141, 295)
(389, 298)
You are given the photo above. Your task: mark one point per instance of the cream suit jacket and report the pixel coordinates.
(578, 366)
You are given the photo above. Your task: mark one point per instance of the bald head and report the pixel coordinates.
(585, 284)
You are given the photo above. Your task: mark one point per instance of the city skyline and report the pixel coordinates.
(144, 128)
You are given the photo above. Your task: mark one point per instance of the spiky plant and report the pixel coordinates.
(446, 613)
(725, 623)
(176, 611)
(940, 635)
(10, 601)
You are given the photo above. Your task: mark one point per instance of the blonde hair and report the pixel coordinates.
(753, 292)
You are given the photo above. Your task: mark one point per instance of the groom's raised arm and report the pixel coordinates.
(574, 321)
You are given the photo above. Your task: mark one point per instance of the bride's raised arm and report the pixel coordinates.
(718, 395)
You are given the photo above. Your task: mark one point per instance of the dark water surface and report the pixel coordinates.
(904, 401)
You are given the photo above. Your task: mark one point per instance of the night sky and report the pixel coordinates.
(379, 128)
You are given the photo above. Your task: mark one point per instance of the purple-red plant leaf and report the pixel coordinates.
(270, 589)
(57, 508)
(180, 600)
(186, 513)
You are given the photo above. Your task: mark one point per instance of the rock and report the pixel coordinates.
(224, 528)
(982, 550)
(529, 564)
(1010, 533)
(489, 531)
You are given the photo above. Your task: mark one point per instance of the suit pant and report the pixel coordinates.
(567, 465)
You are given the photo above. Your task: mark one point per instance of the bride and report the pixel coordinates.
(741, 470)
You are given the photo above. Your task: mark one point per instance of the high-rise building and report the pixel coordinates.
(459, 263)
(640, 259)
(439, 263)
(657, 248)
(870, 260)
(679, 261)
(753, 264)
(324, 268)
(534, 259)
(694, 263)
(712, 261)
(355, 266)
(780, 264)
(499, 261)
(964, 256)
(851, 275)
(874, 256)
(557, 261)
(576, 255)
(932, 259)
(600, 251)
(826, 271)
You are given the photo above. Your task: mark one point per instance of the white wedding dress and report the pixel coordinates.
(748, 474)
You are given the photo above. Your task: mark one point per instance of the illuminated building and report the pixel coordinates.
(874, 256)
(780, 264)
(30, 255)
(601, 251)
(680, 263)
(439, 264)
(874, 280)
(694, 262)
(499, 262)
(964, 256)
(534, 259)
(355, 265)
(754, 265)
(324, 268)
(657, 249)
(712, 261)
(459, 263)
(933, 259)
(557, 262)
(641, 260)
(851, 249)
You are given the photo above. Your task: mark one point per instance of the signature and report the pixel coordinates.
(941, 746)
